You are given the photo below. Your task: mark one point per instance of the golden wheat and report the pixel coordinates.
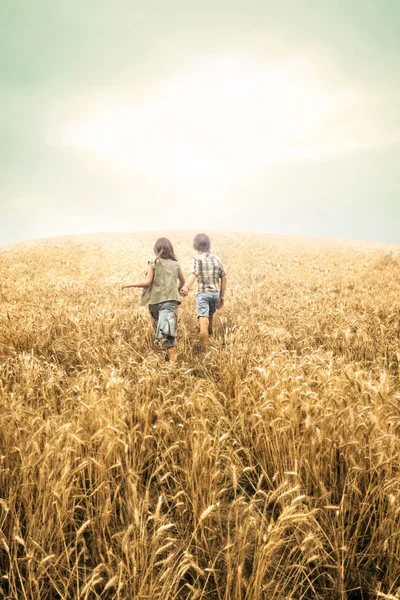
(268, 469)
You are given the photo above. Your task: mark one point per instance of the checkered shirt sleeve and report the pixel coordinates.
(194, 266)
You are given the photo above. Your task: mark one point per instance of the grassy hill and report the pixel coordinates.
(268, 469)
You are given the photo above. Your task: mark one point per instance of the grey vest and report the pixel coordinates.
(164, 285)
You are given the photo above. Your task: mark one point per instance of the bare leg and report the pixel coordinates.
(210, 324)
(204, 322)
(172, 353)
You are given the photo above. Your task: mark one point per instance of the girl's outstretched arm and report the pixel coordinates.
(142, 284)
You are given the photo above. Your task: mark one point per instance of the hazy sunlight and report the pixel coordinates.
(222, 116)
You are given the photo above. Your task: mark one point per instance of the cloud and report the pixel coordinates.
(226, 115)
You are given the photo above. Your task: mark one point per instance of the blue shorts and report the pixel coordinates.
(206, 303)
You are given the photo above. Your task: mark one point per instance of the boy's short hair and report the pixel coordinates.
(201, 242)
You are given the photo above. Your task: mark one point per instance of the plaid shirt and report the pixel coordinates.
(209, 269)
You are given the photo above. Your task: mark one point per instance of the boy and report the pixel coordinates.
(208, 270)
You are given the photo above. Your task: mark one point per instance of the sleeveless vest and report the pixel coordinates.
(165, 285)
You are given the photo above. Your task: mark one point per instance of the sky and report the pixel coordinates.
(256, 115)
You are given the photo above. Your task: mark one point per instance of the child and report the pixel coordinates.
(208, 270)
(161, 294)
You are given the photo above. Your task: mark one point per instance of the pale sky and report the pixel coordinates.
(280, 117)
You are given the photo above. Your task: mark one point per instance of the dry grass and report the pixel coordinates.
(267, 470)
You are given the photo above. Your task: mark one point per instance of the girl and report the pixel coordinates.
(162, 294)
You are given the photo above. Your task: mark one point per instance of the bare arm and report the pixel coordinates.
(142, 284)
(181, 279)
(188, 284)
(222, 292)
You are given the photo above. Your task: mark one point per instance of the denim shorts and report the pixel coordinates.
(164, 319)
(206, 303)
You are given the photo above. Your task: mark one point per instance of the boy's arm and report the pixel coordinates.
(181, 279)
(222, 292)
(142, 284)
(188, 284)
(193, 273)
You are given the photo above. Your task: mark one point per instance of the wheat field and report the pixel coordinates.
(267, 469)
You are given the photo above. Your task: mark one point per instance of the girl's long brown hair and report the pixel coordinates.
(163, 248)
